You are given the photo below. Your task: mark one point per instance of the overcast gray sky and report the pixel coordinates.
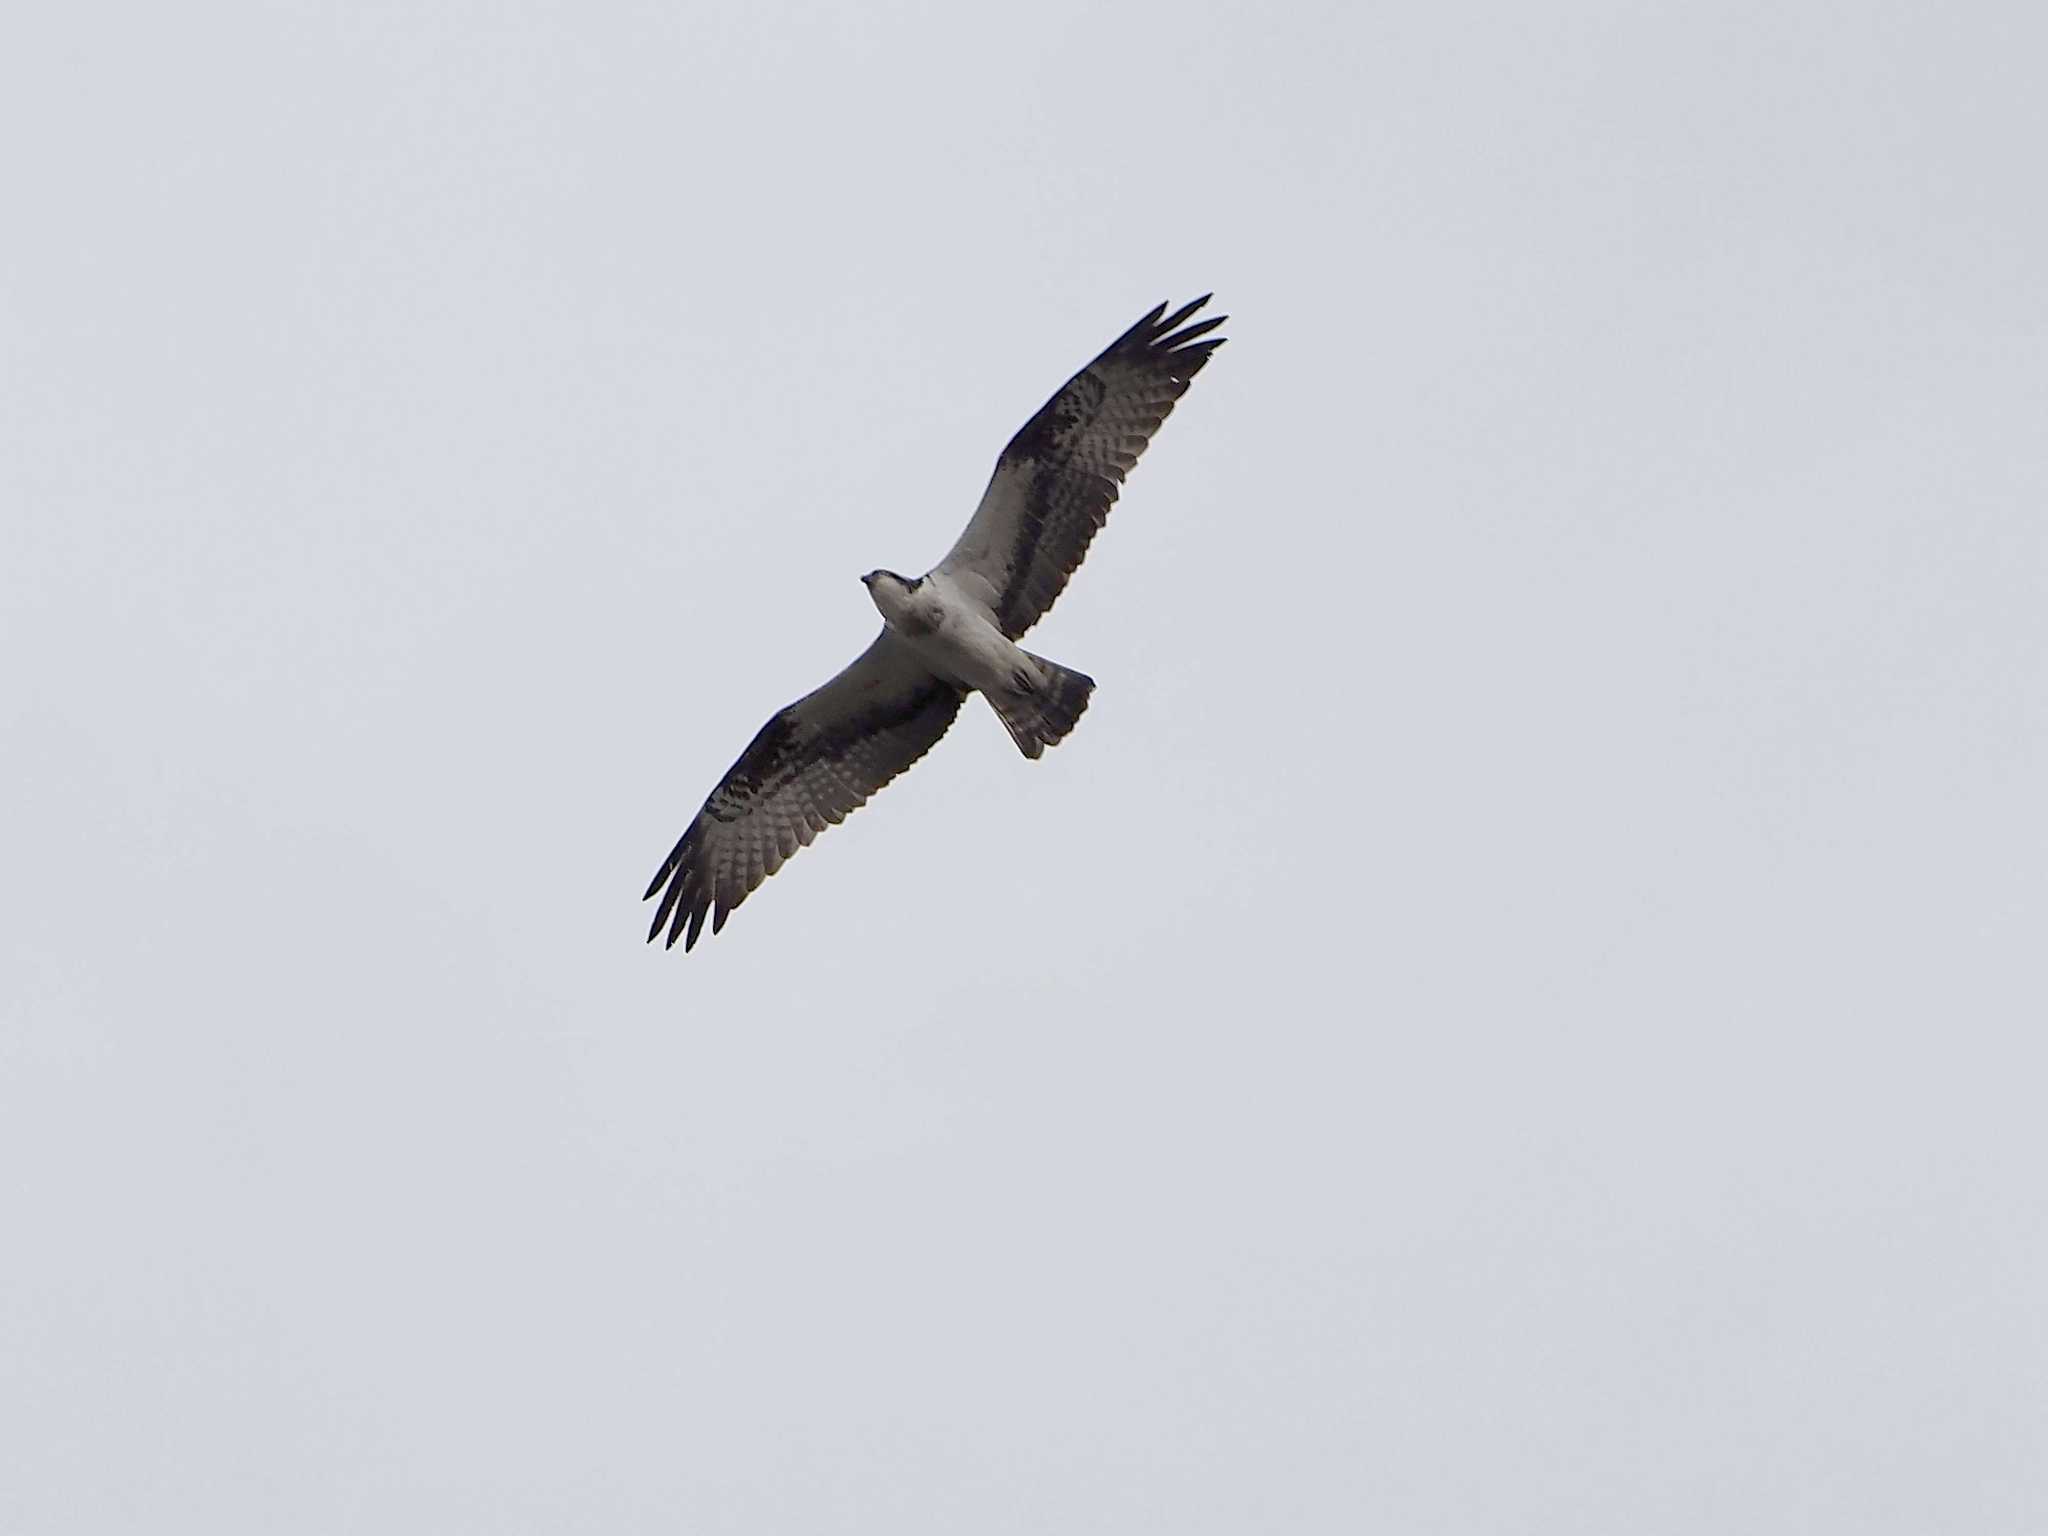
(1519, 1009)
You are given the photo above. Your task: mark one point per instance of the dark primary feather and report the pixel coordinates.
(809, 767)
(1054, 484)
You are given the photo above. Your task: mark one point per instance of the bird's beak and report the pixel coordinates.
(868, 581)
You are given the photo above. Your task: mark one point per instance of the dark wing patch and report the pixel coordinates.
(809, 767)
(1059, 476)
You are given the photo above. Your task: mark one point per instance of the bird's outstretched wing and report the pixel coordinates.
(1056, 481)
(809, 766)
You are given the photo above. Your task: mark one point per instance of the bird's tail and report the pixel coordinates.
(1039, 711)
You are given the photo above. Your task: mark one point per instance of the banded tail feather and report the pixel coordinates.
(1040, 714)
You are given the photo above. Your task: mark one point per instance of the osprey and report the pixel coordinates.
(948, 633)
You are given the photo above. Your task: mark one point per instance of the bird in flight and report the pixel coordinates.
(948, 633)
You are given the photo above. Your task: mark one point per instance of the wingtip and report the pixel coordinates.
(1189, 333)
(668, 865)
(1181, 314)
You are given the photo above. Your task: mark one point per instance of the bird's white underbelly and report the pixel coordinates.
(957, 638)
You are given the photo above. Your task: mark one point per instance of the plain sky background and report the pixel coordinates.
(1519, 1009)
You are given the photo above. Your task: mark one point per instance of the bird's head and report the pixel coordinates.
(890, 591)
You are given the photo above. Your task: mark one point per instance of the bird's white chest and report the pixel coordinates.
(953, 635)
